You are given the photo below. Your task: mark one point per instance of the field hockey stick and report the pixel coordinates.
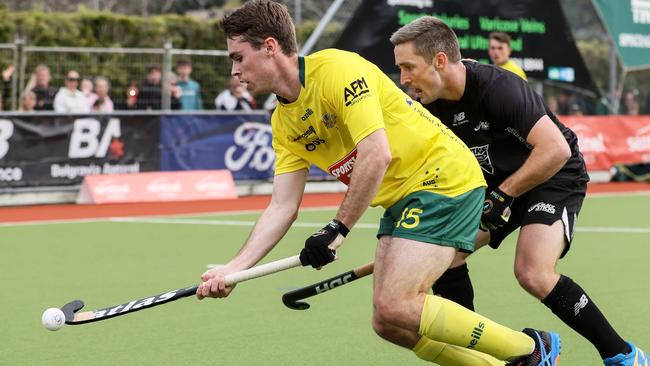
(72, 317)
(291, 298)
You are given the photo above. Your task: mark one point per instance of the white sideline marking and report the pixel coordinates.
(153, 220)
(108, 218)
(584, 229)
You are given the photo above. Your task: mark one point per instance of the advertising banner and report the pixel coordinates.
(54, 150)
(241, 143)
(605, 141)
(158, 187)
(628, 22)
(542, 43)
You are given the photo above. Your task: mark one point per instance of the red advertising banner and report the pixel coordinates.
(605, 141)
(158, 186)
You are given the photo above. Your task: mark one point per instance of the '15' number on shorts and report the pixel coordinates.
(410, 218)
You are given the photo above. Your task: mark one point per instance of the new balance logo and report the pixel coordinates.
(580, 304)
(542, 206)
(459, 119)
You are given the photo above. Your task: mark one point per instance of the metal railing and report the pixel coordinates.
(122, 67)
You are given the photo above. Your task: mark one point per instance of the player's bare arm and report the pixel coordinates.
(549, 154)
(272, 225)
(373, 158)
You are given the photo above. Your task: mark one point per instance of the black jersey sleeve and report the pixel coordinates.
(511, 102)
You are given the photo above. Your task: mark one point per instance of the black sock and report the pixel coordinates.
(571, 304)
(455, 285)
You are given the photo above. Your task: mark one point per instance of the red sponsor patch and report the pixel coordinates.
(342, 169)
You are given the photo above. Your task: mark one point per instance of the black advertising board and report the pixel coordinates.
(541, 39)
(51, 150)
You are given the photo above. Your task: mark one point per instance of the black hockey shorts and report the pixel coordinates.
(545, 204)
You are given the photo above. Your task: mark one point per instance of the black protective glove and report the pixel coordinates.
(496, 210)
(316, 252)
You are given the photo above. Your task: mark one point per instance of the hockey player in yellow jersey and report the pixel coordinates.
(341, 113)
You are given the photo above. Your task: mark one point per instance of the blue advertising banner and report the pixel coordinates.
(238, 142)
(241, 143)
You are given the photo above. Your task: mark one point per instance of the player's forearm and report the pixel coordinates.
(373, 158)
(541, 165)
(269, 229)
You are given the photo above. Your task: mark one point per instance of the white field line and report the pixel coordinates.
(315, 225)
(108, 218)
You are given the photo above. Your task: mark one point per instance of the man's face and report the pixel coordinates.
(154, 76)
(101, 88)
(72, 80)
(43, 77)
(499, 52)
(417, 74)
(251, 66)
(184, 72)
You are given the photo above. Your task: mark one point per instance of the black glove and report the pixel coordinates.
(316, 252)
(496, 210)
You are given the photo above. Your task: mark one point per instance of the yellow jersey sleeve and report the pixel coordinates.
(354, 93)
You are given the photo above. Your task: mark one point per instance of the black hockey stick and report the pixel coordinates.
(291, 298)
(73, 317)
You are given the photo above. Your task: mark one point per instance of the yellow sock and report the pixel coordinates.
(447, 322)
(450, 355)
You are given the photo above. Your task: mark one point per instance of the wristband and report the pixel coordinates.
(339, 226)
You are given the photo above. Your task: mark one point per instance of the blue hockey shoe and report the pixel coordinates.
(635, 358)
(547, 349)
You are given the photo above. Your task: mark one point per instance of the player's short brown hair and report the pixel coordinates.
(501, 37)
(256, 20)
(429, 35)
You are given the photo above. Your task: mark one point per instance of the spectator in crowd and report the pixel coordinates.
(150, 92)
(576, 110)
(630, 103)
(235, 98)
(499, 51)
(552, 104)
(27, 101)
(131, 95)
(175, 92)
(647, 103)
(87, 87)
(100, 101)
(45, 93)
(190, 89)
(5, 93)
(569, 104)
(70, 99)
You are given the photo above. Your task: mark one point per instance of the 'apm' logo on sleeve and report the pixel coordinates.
(355, 90)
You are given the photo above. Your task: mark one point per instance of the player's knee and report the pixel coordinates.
(380, 326)
(533, 280)
(388, 310)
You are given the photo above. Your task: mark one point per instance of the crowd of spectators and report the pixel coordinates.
(85, 94)
(92, 94)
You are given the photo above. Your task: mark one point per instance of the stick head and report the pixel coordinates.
(293, 304)
(70, 308)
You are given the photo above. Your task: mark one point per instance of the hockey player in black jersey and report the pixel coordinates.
(535, 173)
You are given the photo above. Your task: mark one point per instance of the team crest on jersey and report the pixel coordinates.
(329, 120)
(356, 91)
(483, 156)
